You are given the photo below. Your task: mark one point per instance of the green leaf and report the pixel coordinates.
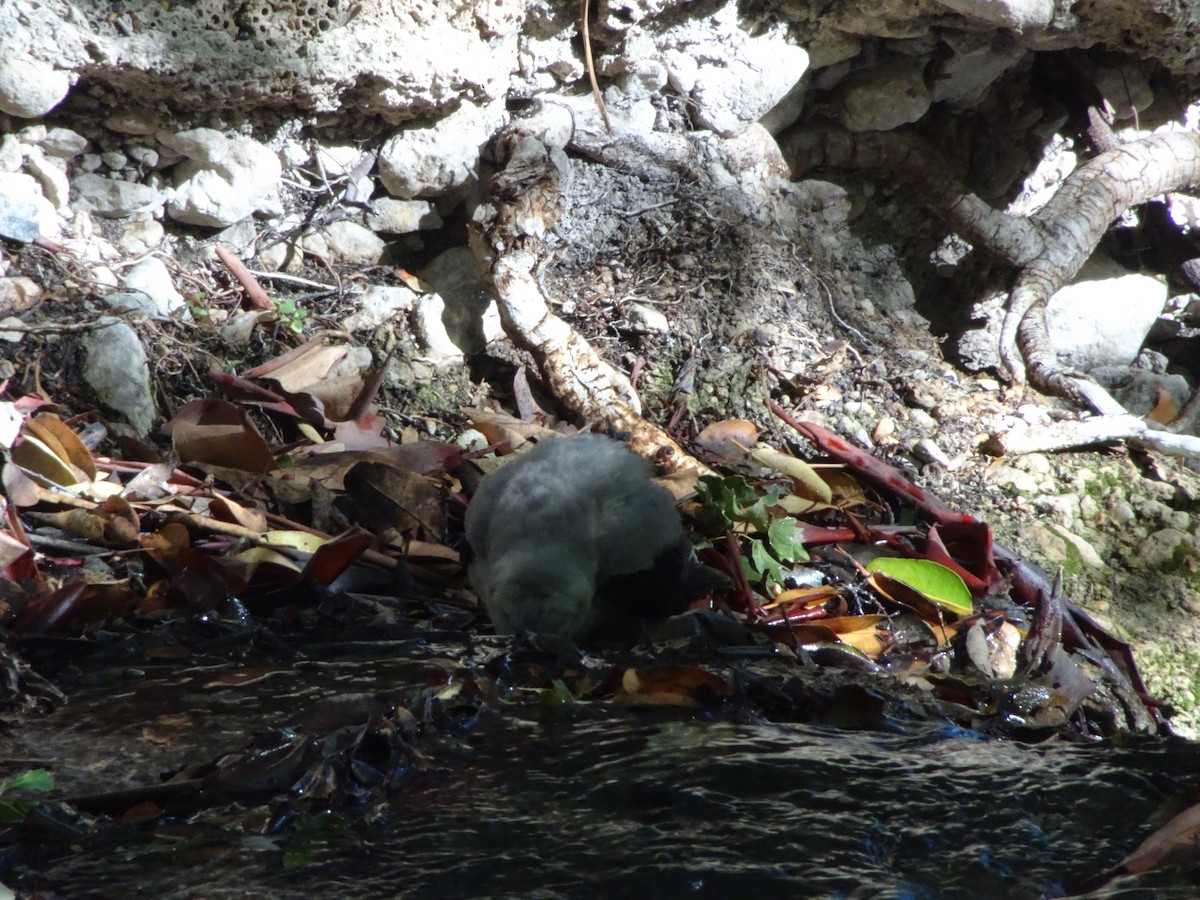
(784, 535)
(933, 580)
(764, 563)
(32, 780)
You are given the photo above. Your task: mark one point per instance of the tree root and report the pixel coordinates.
(508, 238)
(1047, 248)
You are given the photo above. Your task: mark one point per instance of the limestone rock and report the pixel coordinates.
(224, 178)
(29, 87)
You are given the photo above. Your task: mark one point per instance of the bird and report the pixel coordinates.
(573, 539)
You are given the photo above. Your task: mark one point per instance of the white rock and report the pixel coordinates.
(51, 174)
(379, 304)
(34, 133)
(884, 97)
(352, 244)
(111, 199)
(141, 235)
(1016, 14)
(13, 334)
(731, 96)
(1103, 317)
(403, 216)
(223, 180)
(114, 159)
(431, 331)
(152, 278)
(12, 154)
(645, 319)
(24, 212)
(338, 161)
(115, 367)
(144, 156)
(19, 293)
(432, 160)
(29, 87)
(63, 143)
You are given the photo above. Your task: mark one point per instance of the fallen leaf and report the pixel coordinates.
(219, 433)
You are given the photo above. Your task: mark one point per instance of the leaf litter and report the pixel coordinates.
(855, 599)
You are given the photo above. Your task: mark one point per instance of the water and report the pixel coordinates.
(589, 800)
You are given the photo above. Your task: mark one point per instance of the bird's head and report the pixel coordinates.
(546, 596)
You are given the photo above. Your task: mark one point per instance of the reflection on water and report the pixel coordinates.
(598, 802)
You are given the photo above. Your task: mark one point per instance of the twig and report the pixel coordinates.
(254, 291)
(591, 66)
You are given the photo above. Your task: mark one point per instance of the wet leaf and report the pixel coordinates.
(1175, 842)
(934, 581)
(671, 686)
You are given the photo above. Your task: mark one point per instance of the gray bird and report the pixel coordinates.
(573, 539)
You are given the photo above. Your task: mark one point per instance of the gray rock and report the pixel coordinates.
(140, 236)
(63, 143)
(24, 212)
(12, 154)
(29, 87)
(379, 304)
(884, 97)
(1138, 390)
(978, 61)
(646, 319)
(51, 174)
(114, 199)
(431, 332)
(454, 274)
(115, 368)
(114, 159)
(353, 244)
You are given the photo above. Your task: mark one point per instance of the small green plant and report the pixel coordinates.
(732, 503)
(291, 315)
(13, 810)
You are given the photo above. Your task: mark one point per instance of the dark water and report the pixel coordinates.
(591, 801)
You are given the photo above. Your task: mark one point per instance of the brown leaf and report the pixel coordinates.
(69, 446)
(669, 686)
(218, 433)
(729, 439)
(1166, 410)
(388, 498)
(1176, 842)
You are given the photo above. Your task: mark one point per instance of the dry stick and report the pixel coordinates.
(585, 31)
(254, 291)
